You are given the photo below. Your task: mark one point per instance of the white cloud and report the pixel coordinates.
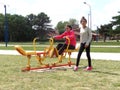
(57, 10)
(62, 10)
(105, 14)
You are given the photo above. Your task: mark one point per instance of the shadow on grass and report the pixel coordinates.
(110, 73)
(103, 72)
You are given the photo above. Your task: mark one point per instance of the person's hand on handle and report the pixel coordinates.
(64, 37)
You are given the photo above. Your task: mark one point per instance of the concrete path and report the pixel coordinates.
(99, 56)
(94, 55)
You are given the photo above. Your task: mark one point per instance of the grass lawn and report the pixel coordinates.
(106, 43)
(42, 46)
(106, 49)
(104, 76)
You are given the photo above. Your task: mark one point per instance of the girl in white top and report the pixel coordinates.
(85, 40)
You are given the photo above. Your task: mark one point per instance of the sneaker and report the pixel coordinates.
(88, 69)
(75, 68)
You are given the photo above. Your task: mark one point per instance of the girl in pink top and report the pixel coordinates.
(70, 34)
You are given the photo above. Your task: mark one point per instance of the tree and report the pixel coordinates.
(116, 24)
(19, 29)
(116, 20)
(105, 30)
(30, 19)
(73, 21)
(41, 21)
(1, 27)
(61, 24)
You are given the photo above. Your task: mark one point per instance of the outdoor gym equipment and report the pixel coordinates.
(41, 55)
(66, 51)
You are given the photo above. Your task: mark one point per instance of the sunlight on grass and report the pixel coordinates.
(105, 76)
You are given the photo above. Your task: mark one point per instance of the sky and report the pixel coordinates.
(102, 11)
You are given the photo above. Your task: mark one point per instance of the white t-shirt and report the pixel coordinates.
(85, 35)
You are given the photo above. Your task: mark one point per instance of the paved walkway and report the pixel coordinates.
(94, 55)
(100, 56)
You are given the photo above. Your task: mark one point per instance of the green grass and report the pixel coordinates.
(105, 76)
(47, 43)
(30, 47)
(106, 49)
(43, 45)
(106, 43)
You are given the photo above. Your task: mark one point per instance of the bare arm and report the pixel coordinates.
(77, 31)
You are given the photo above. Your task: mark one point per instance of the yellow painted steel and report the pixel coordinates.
(48, 51)
(40, 55)
(67, 51)
(26, 53)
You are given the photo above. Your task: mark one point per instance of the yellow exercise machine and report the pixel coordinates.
(48, 52)
(61, 57)
(40, 55)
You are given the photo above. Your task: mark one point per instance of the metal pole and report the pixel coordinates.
(88, 21)
(6, 28)
(90, 18)
(90, 14)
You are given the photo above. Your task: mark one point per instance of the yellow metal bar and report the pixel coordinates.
(51, 41)
(67, 46)
(34, 43)
(28, 65)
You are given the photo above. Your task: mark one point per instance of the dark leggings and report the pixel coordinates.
(62, 47)
(82, 47)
